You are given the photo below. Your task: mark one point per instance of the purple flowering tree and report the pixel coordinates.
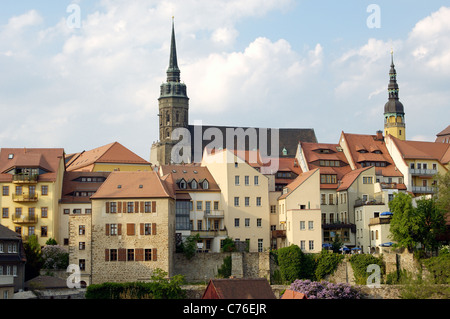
(325, 290)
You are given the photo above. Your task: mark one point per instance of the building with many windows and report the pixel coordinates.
(244, 196)
(132, 230)
(31, 182)
(199, 209)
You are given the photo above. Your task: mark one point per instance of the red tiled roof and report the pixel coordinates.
(350, 177)
(423, 150)
(190, 172)
(297, 182)
(46, 158)
(144, 184)
(110, 153)
(370, 143)
(238, 288)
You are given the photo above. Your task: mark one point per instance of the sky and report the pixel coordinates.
(84, 73)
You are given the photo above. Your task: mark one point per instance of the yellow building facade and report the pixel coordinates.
(30, 183)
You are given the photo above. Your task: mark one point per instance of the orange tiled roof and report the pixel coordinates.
(190, 172)
(423, 150)
(350, 177)
(370, 143)
(110, 153)
(47, 159)
(72, 183)
(144, 184)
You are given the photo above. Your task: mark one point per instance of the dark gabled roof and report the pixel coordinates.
(6, 233)
(288, 139)
(240, 288)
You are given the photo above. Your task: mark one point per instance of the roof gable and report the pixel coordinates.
(238, 288)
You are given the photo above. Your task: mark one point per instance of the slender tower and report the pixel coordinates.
(173, 106)
(394, 114)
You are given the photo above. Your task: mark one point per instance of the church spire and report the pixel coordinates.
(394, 113)
(173, 72)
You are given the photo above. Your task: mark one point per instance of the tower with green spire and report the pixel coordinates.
(173, 106)
(394, 113)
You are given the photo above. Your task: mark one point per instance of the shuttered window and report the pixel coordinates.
(130, 229)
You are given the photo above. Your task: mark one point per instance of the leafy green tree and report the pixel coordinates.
(34, 258)
(443, 193)
(432, 222)
(413, 225)
(405, 224)
(336, 244)
(228, 245)
(51, 242)
(189, 246)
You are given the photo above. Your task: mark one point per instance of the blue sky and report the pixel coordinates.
(261, 63)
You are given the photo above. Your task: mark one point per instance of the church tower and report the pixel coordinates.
(173, 108)
(394, 114)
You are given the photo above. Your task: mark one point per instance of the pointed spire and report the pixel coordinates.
(173, 72)
(393, 105)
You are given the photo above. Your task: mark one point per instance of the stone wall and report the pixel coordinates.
(203, 267)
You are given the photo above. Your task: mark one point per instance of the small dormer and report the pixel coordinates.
(204, 183)
(182, 184)
(194, 184)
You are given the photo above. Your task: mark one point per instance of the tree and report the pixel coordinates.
(415, 225)
(34, 258)
(432, 222)
(443, 193)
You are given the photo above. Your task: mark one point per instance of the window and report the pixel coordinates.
(247, 201)
(81, 245)
(147, 254)
(66, 211)
(330, 199)
(199, 224)
(113, 207)
(199, 205)
(5, 212)
(44, 190)
(44, 212)
(311, 245)
(302, 225)
(236, 201)
(130, 207)
(367, 180)
(44, 231)
(258, 222)
(310, 225)
(82, 264)
(247, 180)
(130, 254)
(236, 222)
(88, 211)
(113, 254)
(81, 230)
(247, 222)
(258, 201)
(323, 199)
(194, 184)
(236, 180)
(256, 180)
(5, 191)
(328, 179)
(273, 209)
(205, 184)
(113, 229)
(216, 205)
(260, 245)
(302, 245)
(148, 229)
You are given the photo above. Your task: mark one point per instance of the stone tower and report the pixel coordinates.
(394, 114)
(173, 109)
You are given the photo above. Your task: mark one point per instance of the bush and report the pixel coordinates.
(55, 257)
(360, 262)
(158, 288)
(225, 270)
(439, 268)
(325, 290)
(327, 263)
(290, 260)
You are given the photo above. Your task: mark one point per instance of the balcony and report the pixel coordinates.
(422, 172)
(25, 197)
(423, 190)
(30, 219)
(278, 233)
(213, 214)
(379, 221)
(25, 178)
(374, 201)
(211, 233)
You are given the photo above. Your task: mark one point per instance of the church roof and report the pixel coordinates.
(288, 139)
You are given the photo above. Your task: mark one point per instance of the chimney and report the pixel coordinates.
(380, 136)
